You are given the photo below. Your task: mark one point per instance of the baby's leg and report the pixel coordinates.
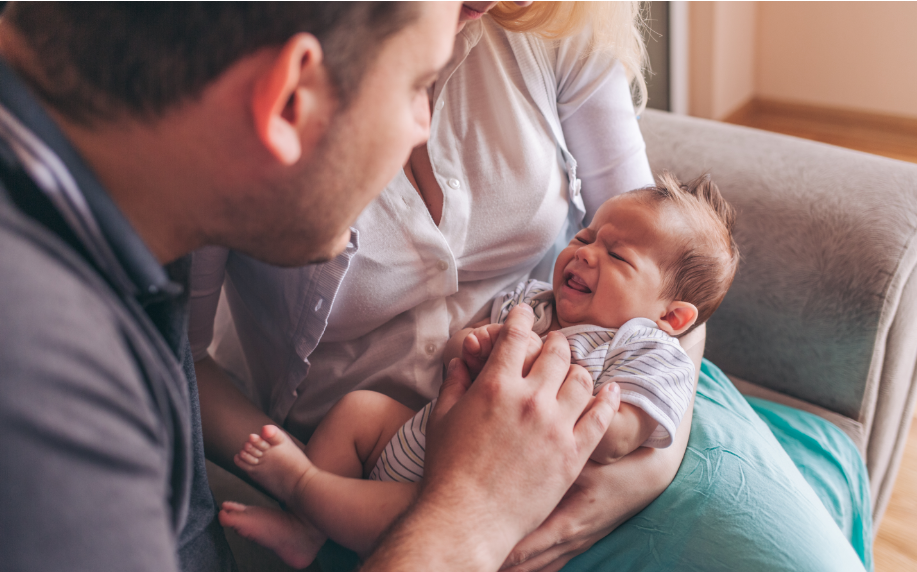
(354, 433)
(351, 511)
(296, 541)
(347, 442)
(293, 540)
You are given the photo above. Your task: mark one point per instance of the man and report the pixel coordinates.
(132, 135)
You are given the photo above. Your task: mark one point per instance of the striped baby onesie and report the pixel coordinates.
(654, 372)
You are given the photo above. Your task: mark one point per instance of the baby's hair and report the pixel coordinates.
(700, 271)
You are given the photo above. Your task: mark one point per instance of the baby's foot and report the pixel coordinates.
(274, 461)
(293, 540)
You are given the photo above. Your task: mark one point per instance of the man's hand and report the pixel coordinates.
(500, 454)
(605, 496)
(479, 343)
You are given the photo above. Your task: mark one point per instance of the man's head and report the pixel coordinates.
(665, 253)
(101, 61)
(264, 127)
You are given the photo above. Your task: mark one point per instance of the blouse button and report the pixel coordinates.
(454, 183)
(442, 265)
(318, 306)
(440, 104)
(430, 349)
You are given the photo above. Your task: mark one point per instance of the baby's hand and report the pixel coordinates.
(477, 347)
(480, 342)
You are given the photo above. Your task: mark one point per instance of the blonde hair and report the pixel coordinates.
(616, 29)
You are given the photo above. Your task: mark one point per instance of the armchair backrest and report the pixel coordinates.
(823, 310)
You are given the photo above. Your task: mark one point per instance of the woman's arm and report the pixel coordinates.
(600, 127)
(605, 496)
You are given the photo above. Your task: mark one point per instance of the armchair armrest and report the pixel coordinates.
(823, 312)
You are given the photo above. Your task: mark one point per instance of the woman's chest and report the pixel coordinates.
(493, 157)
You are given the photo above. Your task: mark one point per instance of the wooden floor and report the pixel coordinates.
(895, 548)
(885, 135)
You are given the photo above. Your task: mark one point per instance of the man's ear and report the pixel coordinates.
(285, 95)
(678, 317)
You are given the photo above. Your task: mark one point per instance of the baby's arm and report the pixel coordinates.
(629, 429)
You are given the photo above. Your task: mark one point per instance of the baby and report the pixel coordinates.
(653, 264)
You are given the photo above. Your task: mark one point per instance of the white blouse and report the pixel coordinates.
(307, 337)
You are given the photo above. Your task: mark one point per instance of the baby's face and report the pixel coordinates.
(611, 272)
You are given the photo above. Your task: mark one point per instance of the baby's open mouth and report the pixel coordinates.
(574, 282)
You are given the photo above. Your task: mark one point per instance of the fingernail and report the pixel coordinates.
(523, 308)
(453, 363)
(615, 391)
(477, 351)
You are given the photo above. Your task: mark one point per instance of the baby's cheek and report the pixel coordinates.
(559, 265)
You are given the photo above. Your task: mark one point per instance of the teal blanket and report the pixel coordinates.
(762, 488)
(778, 490)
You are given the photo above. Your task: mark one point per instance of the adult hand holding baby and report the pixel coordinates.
(605, 496)
(479, 343)
(502, 450)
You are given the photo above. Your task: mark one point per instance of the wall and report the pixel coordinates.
(852, 55)
(722, 41)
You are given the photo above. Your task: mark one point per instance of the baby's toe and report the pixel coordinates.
(257, 442)
(253, 450)
(244, 458)
(272, 435)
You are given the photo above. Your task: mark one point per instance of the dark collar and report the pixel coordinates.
(150, 279)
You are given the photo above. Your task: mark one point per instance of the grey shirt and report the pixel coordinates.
(101, 460)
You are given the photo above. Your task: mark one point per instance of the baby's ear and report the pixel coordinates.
(679, 316)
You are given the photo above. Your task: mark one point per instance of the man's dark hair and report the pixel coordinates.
(100, 60)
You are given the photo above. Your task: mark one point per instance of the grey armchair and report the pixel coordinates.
(823, 312)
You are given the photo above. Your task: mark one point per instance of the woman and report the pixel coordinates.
(476, 211)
